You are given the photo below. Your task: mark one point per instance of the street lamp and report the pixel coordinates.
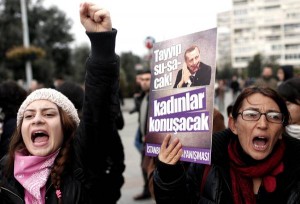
(26, 41)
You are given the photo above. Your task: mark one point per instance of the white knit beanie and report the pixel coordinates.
(51, 95)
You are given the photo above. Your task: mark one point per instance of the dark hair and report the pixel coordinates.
(11, 97)
(73, 92)
(145, 71)
(290, 90)
(69, 127)
(288, 71)
(268, 92)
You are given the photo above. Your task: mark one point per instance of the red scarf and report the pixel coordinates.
(242, 173)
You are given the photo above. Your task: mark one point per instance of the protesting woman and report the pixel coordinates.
(55, 158)
(252, 162)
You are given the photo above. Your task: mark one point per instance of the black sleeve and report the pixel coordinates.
(170, 183)
(100, 107)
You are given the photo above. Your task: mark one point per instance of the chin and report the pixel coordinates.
(259, 156)
(40, 153)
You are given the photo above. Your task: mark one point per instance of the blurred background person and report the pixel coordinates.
(266, 79)
(11, 97)
(34, 85)
(74, 92)
(145, 80)
(138, 93)
(235, 87)
(284, 73)
(290, 91)
(58, 80)
(220, 94)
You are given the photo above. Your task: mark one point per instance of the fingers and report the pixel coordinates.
(183, 70)
(97, 13)
(165, 143)
(95, 18)
(184, 67)
(170, 154)
(185, 73)
(84, 10)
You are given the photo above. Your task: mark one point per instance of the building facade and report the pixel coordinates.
(267, 27)
(224, 41)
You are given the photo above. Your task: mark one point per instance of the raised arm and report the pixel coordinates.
(101, 98)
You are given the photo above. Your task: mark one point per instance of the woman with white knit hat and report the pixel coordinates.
(53, 156)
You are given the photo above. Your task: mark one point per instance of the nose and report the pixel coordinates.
(38, 119)
(263, 122)
(194, 61)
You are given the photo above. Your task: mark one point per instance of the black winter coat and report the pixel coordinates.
(184, 187)
(97, 157)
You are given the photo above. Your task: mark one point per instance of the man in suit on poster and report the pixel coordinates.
(193, 72)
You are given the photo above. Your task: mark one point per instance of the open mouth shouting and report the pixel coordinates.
(260, 143)
(39, 137)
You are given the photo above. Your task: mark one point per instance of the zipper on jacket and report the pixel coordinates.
(12, 193)
(48, 188)
(46, 197)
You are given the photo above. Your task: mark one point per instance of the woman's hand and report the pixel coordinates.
(94, 18)
(170, 154)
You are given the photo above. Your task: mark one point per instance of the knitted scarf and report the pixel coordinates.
(242, 172)
(32, 173)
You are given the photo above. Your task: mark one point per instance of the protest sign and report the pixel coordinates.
(181, 98)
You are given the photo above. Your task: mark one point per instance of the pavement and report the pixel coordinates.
(133, 176)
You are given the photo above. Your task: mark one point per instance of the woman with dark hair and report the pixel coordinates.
(55, 158)
(11, 97)
(290, 91)
(252, 162)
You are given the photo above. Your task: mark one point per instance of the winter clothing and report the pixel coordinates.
(173, 185)
(32, 173)
(266, 82)
(9, 125)
(96, 152)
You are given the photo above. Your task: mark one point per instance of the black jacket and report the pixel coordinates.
(97, 152)
(184, 187)
(202, 76)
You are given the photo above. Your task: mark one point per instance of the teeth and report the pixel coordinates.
(39, 131)
(257, 146)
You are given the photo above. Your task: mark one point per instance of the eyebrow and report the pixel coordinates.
(42, 109)
(257, 109)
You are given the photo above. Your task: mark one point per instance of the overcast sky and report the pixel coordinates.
(137, 19)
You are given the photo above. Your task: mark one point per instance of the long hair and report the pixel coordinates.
(69, 128)
(268, 92)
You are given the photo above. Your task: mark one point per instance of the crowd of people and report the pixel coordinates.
(62, 144)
